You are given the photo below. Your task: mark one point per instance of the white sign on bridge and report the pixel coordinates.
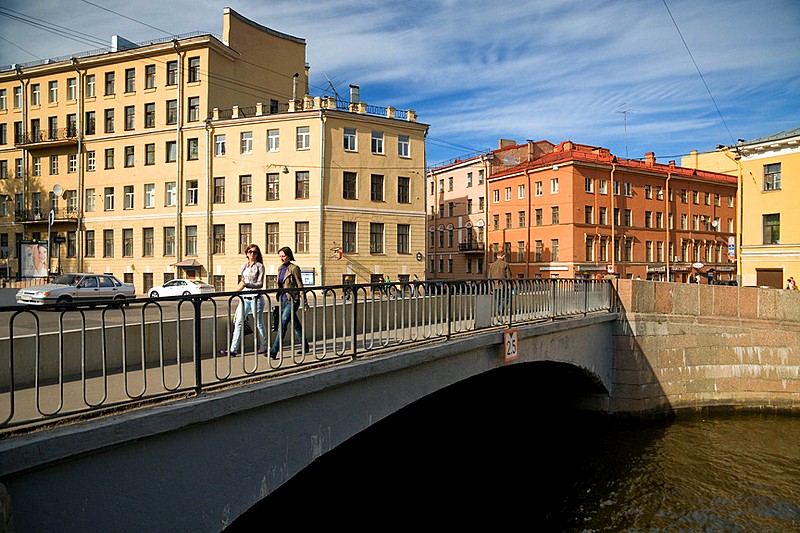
(510, 344)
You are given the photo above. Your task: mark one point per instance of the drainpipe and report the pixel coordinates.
(79, 192)
(209, 203)
(178, 184)
(486, 205)
(24, 151)
(528, 223)
(321, 192)
(613, 219)
(666, 210)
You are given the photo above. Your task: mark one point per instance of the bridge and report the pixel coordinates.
(198, 446)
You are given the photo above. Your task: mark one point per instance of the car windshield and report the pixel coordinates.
(67, 279)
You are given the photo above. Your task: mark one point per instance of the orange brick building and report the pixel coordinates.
(579, 211)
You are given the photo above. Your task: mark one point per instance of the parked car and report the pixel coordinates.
(181, 287)
(67, 288)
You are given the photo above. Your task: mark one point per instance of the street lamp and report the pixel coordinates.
(739, 197)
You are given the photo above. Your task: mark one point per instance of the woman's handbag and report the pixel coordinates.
(246, 327)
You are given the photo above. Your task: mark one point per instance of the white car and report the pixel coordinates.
(67, 288)
(181, 287)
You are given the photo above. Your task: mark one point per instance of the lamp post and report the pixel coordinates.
(739, 198)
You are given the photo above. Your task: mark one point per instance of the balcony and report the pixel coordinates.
(48, 138)
(471, 247)
(63, 214)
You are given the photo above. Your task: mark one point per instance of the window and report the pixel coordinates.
(192, 149)
(72, 163)
(171, 151)
(273, 140)
(108, 121)
(108, 194)
(521, 219)
(52, 92)
(172, 112)
(219, 190)
(53, 166)
(554, 186)
(109, 83)
(648, 219)
(148, 242)
(659, 192)
(35, 94)
(628, 217)
(616, 188)
(588, 184)
(589, 248)
(349, 237)
(450, 183)
(772, 177)
(149, 195)
(150, 154)
(89, 203)
(273, 235)
(628, 189)
(90, 125)
(246, 142)
(72, 125)
(149, 76)
(108, 243)
(480, 177)
(554, 250)
(376, 188)
(403, 238)
(219, 238)
(273, 186)
(172, 73)
(3, 100)
(303, 138)
(375, 238)
(377, 142)
(684, 219)
(696, 197)
(17, 97)
(588, 212)
(648, 192)
(194, 69)
(127, 200)
(520, 251)
(302, 185)
(469, 179)
(219, 145)
(191, 240)
(349, 185)
(90, 86)
(538, 187)
(191, 192)
(194, 109)
(537, 251)
(130, 80)
(707, 197)
(695, 222)
(403, 146)
(129, 156)
(301, 239)
(127, 242)
(684, 196)
(554, 215)
(648, 251)
(538, 217)
(520, 191)
(350, 140)
(772, 228)
(403, 190)
(246, 188)
(169, 241)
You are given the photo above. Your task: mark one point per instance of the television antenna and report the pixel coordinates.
(332, 87)
(624, 109)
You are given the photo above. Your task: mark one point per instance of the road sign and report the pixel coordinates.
(510, 344)
(731, 247)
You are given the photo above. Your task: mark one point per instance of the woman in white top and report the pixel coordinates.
(252, 280)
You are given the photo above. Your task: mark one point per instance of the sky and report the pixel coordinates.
(633, 76)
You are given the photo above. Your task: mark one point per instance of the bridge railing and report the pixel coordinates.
(92, 357)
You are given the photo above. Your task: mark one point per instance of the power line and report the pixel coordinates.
(699, 72)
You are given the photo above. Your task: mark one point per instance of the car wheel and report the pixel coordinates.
(63, 300)
(119, 300)
(187, 293)
(153, 294)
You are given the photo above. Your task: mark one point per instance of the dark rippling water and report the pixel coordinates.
(492, 451)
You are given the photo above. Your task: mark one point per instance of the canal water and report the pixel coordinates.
(492, 450)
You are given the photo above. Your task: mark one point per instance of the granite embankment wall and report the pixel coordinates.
(687, 346)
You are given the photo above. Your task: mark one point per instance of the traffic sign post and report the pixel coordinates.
(510, 344)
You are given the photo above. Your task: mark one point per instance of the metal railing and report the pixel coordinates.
(88, 358)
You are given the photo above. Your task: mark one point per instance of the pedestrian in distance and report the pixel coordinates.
(499, 271)
(252, 280)
(289, 277)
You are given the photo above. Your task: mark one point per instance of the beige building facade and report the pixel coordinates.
(165, 159)
(768, 248)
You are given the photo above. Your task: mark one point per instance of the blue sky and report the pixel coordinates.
(691, 74)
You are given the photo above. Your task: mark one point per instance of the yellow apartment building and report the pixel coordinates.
(164, 159)
(769, 246)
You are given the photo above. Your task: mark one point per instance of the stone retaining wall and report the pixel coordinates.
(690, 346)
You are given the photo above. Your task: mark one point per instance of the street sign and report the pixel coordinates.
(731, 247)
(510, 344)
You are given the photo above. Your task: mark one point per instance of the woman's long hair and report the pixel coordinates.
(287, 252)
(258, 257)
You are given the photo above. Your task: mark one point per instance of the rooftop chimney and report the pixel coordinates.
(650, 158)
(355, 95)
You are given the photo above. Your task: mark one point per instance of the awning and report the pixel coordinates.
(188, 263)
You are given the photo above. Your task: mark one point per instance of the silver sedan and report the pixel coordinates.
(67, 288)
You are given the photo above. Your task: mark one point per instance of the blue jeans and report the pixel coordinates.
(289, 313)
(245, 307)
